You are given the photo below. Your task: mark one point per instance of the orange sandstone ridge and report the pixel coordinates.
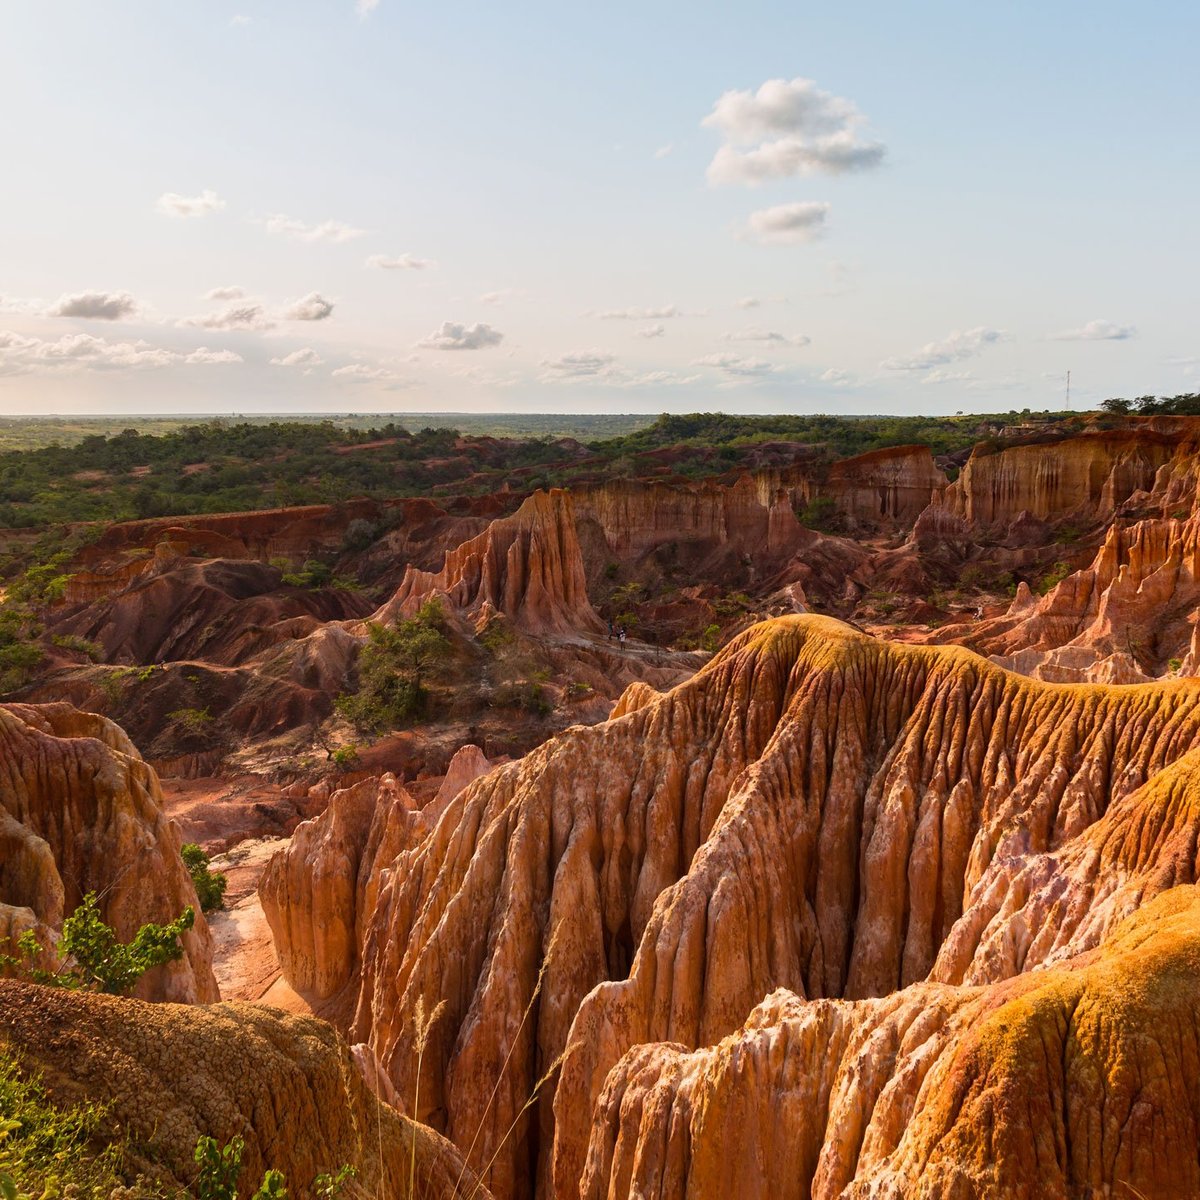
(795, 926)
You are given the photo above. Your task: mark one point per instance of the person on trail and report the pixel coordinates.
(621, 636)
(610, 631)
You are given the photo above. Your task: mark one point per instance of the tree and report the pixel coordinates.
(393, 668)
(210, 885)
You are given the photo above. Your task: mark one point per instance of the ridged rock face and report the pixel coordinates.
(81, 812)
(317, 891)
(165, 1075)
(527, 566)
(1121, 620)
(1091, 473)
(815, 811)
(885, 487)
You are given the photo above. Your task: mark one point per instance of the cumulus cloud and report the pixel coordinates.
(400, 262)
(307, 357)
(365, 8)
(250, 315)
(786, 224)
(652, 331)
(229, 292)
(203, 356)
(749, 302)
(239, 19)
(736, 365)
(500, 296)
(788, 128)
(1097, 331)
(454, 336)
(579, 364)
(953, 348)
(337, 232)
(172, 204)
(941, 375)
(766, 335)
(313, 307)
(664, 151)
(95, 306)
(364, 373)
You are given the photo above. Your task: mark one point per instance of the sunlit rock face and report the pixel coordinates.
(813, 895)
(81, 812)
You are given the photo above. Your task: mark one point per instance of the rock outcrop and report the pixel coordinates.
(527, 567)
(81, 812)
(1123, 619)
(165, 1075)
(815, 811)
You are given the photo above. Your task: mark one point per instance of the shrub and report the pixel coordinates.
(345, 756)
(710, 639)
(210, 885)
(1053, 577)
(192, 720)
(820, 514)
(69, 641)
(95, 958)
(359, 535)
(392, 669)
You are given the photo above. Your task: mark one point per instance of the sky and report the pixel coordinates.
(384, 205)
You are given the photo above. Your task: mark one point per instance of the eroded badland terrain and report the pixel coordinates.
(725, 810)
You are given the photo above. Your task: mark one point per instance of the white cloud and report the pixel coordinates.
(364, 373)
(307, 357)
(229, 292)
(580, 364)
(652, 331)
(666, 311)
(501, 296)
(365, 8)
(337, 232)
(239, 19)
(749, 302)
(940, 375)
(313, 307)
(953, 348)
(14, 304)
(399, 262)
(787, 128)
(786, 224)
(453, 336)
(836, 376)
(250, 315)
(82, 351)
(766, 335)
(172, 204)
(664, 151)
(735, 364)
(1097, 331)
(95, 306)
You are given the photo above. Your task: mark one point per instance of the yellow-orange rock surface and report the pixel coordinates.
(165, 1074)
(527, 566)
(877, 829)
(81, 812)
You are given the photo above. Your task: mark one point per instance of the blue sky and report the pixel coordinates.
(868, 207)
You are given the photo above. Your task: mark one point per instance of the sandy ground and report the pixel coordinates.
(244, 958)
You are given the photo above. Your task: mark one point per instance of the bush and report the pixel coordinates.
(94, 958)
(820, 514)
(392, 669)
(1053, 577)
(193, 721)
(210, 885)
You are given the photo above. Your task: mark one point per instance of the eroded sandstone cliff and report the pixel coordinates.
(81, 812)
(816, 811)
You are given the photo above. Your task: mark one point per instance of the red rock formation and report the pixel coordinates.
(317, 892)
(164, 1075)
(81, 812)
(1089, 474)
(527, 566)
(815, 811)
(1121, 620)
(892, 486)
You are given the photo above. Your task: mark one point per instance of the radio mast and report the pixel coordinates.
(1068, 391)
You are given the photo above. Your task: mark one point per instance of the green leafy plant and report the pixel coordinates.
(191, 721)
(345, 756)
(93, 957)
(1053, 577)
(393, 668)
(210, 885)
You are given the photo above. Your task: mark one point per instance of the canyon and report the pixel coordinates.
(819, 827)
